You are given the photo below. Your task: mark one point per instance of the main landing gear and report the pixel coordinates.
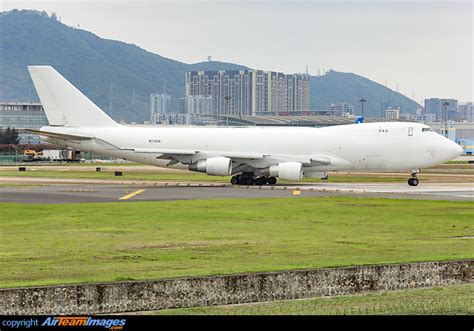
(250, 179)
(413, 180)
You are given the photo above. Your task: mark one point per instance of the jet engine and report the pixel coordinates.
(214, 166)
(286, 170)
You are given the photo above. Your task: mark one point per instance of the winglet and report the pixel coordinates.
(359, 120)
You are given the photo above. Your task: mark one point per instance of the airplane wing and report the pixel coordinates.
(74, 137)
(187, 156)
(256, 160)
(57, 135)
(165, 151)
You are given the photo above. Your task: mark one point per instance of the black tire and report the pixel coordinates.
(260, 181)
(413, 181)
(271, 180)
(234, 180)
(246, 181)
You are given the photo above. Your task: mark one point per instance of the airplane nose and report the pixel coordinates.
(451, 149)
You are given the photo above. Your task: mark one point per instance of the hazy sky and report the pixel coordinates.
(424, 46)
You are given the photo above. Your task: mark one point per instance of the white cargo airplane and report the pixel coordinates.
(253, 155)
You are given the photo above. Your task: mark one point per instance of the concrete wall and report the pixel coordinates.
(232, 289)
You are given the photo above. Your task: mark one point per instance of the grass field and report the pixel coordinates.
(132, 175)
(457, 162)
(183, 176)
(447, 300)
(74, 243)
(134, 171)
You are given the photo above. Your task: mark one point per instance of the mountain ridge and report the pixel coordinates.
(119, 76)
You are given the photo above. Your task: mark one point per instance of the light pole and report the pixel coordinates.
(445, 105)
(362, 100)
(227, 98)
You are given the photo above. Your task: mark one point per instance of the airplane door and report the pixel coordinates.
(410, 131)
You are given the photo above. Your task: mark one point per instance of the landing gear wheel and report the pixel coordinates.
(260, 181)
(246, 178)
(271, 180)
(235, 180)
(413, 181)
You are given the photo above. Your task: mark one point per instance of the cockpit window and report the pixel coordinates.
(426, 129)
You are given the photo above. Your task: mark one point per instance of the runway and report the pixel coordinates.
(148, 191)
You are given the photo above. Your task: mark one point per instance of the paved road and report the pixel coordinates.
(68, 193)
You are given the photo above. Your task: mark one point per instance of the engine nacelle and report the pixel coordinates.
(287, 170)
(214, 166)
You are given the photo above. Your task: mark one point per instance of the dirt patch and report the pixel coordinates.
(345, 242)
(167, 245)
(105, 257)
(360, 205)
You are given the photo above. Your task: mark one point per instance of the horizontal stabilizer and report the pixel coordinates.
(57, 135)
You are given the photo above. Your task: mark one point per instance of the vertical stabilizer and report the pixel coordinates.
(64, 104)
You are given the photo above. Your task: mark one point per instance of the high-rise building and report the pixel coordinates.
(298, 92)
(260, 92)
(392, 113)
(160, 105)
(218, 84)
(466, 111)
(251, 92)
(23, 116)
(196, 105)
(435, 106)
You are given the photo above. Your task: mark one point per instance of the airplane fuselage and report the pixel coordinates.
(381, 147)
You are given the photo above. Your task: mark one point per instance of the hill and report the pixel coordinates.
(349, 87)
(119, 77)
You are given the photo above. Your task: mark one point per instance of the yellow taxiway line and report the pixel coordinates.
(131, 195)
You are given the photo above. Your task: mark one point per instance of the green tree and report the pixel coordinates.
(9, 136)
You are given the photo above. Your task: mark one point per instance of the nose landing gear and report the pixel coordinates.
(413, 180)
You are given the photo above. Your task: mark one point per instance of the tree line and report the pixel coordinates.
(9, 136)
